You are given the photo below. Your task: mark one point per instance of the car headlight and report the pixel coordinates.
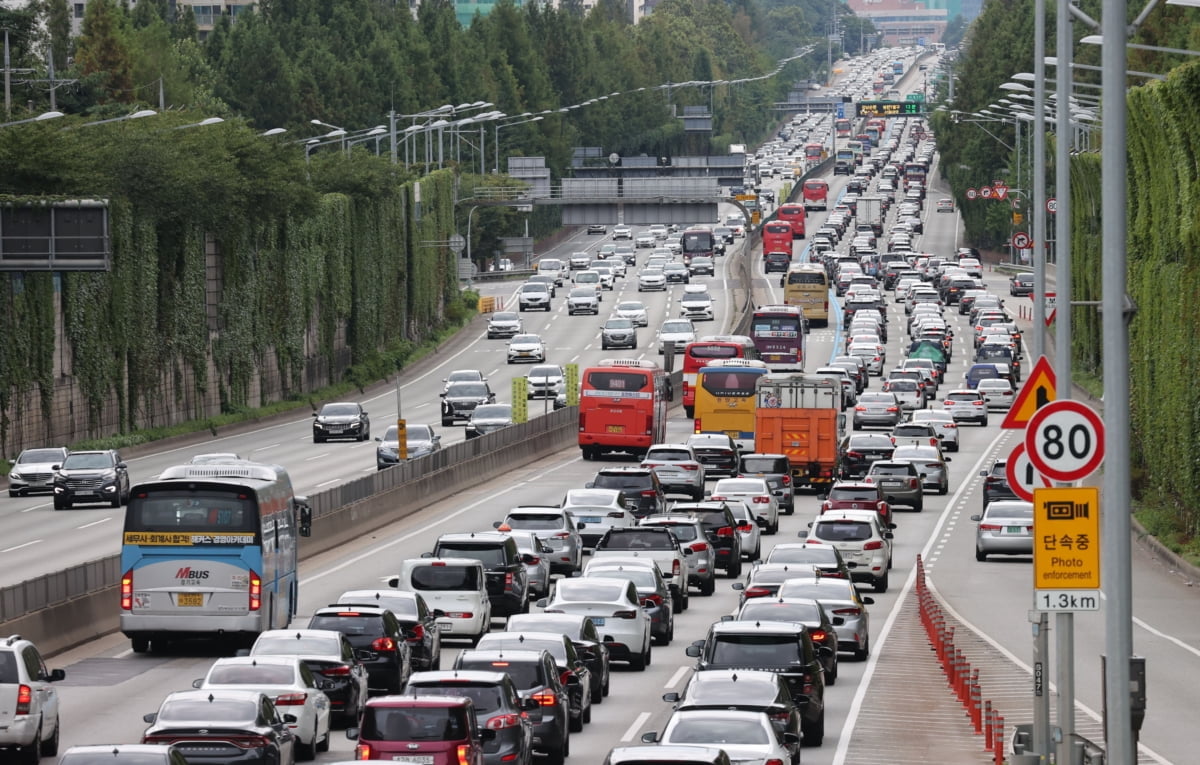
(14, 475)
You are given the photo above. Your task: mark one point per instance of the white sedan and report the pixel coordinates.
(747, 737)
(652, 279)
(634, 310)
(757, 495)
(290, 683)
(526, 348)
(677, 331)
(616, 611)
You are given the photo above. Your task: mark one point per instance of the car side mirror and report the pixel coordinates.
(438, 613)
(542, 603)
(314, 414)
(352, 734)
(589, 485)
(790, 739)
(393, 581)
(442, 394)
(672, 697)
(528, 559)
(497, 524)
(687, 551)
(57, 674)
(581, 526)
(977, 518)
(528, 705)
(738, 585)
(290, 718)
(650, 738)
(727, 617)
(693, 651)
(426, 555)
(150, 718)
(945, 459)
(198, 682)
(868, 600)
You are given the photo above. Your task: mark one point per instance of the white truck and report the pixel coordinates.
(870, 210)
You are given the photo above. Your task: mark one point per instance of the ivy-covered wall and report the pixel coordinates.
(215, 305)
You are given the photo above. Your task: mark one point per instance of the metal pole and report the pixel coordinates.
(7, 80)
(1038, 165)
(1064, 622)
(1041, 693)
(392, 135)
(1114, 529)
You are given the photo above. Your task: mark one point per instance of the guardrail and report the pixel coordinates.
(65, 608)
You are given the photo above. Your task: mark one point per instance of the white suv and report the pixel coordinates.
(28, 703)
(861, 538)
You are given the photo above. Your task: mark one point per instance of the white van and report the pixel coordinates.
(560, 270)
(455, 588)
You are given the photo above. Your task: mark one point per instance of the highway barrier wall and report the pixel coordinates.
(69, 607)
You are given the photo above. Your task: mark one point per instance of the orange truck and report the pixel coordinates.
(801, 416)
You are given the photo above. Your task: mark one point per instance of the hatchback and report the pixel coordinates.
(1004, 528)
(756, 493)
(439, 730)
(839, 598)
(998, 394)
(966, 405)
(900, 483)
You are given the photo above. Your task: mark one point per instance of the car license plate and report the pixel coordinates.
(589, 519)
(194, 599)
(890, 484)
(598, 621)
(616, 429)
(426, 759)
(336, 430)
(1014, 529)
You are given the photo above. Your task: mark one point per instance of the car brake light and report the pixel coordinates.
(893, 409)
(757, 592)
(675, 568)
(860, 408)
(817, 635)
(546, 698)
(464, 754)
(725, 531)
(990, 527)
(698, 546)
(949, 425)
(787, 480)
(745, 527)
(24, 699)
(384, 645)
(761, 500)
(341, 670)
(690, 467)
(255, 591)
(873, 545)
(508, 580)
(853, 611)
(460, 614)
(716, 498)
(127, 591)
(362, 752)
(655, 600)
(774, 761)
(291, 700)
(855, 455)
(418, 633)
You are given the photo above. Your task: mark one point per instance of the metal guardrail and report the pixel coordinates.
(59, 587)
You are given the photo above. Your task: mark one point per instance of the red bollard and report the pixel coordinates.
(998, 741)
(976, 702)
(989, 722)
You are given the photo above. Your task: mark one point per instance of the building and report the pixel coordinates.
(906, 22)
(207, 12)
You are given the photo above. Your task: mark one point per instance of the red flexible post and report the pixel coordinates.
(976, 702)
(998, 741)
(989, 722)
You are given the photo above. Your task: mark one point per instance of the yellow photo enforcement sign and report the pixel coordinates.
(1066, 539)
(178, 539)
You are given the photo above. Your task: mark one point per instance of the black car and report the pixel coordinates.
(640, 488)
(94, 476)
(583, 633)
(416, 618)
(776, 470)
(995, 483)
(507, 578)
(858, 450)
(953, 289)
(776, 261)
(460, 399)
(720, 527)
(488, 418)
(251, 729)
(342, 419)
(498, 707)
(536, 677)
(717, 452)
(379, 641)
(568, 661)
(785, 648)
(809, 613)
(1020, 284)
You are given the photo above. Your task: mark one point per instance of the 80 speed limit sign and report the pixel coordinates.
(1065, 440)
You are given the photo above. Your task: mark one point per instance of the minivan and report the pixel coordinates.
(456, 588)
(554, 267)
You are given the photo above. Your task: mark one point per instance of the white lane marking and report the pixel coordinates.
(329, 483)
(316, 457)
(632, 730)
(95, 523)
(264, 448)
(1160, 634)
(441, 519)
(675, 678)
(18, 547)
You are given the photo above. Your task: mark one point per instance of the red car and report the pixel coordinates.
(442, 730)
(846, 495)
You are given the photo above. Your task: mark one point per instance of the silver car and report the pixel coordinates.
(1005, 528)
(537, 567)
(526, 348)
(34, 470)
(839, 598)
(596, 511)
(504, 324)
(876, 409)
(748, 531)
(651, 279)
(679, 470)
(689, 531)
(557, 527)
(583, 300)
(929, 461)
(634, 310)
(943, 423)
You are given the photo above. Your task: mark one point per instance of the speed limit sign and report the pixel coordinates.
(972, 193)
(1065, 440)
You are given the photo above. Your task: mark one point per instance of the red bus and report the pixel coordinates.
(842, 127)
(793, 214)
(711, 348)
(914, 171)
(777, 237)
(778, 334)
(697, 242)
(814, 152)
(816, 195)
(622, 407)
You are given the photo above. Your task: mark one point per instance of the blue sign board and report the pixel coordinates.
(841, 111)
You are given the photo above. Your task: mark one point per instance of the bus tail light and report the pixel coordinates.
(696, 426)
(255, 591)
(127, 591)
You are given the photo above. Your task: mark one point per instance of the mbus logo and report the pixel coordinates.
(187, 572)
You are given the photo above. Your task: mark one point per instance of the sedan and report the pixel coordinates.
(876, 409)
(504, 324)
(615, 609)
(250, 727)
(597, 228)
(545, 381)
(677, 331)
(1020, 284)
(341, 420)
(420, 441)
(652, 279)
(488, 418)
(292, 685)
(526, 348)
(634, 310)
(943, 424)
(34, 470)
(929, 461)
(998, 394)
(747, 737)
(1005, 528)
(755, 493)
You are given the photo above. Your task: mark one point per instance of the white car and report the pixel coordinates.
(545, 381)
(290, 683)
(749, 738)
(607, 276)
(997, 394)
(908, 393)
(677, 331)
(644, 239)
(621, 231)
(526, 348)
(651, 279)
(861, 538)
(455, 586)
(634, 310)
(583, 300)
(659, 231)
(329, 650)
(965, 404)
(874, 354)
(598, 510)
(579, 260)
(696, 303)
(757, 495)
(32, 731)
(942, 422)
(616, 610)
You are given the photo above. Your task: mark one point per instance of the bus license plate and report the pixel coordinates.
(195, 599)
(616, 429)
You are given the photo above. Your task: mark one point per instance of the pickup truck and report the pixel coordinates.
(650, 543)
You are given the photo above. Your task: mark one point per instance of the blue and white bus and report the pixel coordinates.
(210, 551)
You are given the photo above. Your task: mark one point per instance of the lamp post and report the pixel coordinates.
(141, 113)
(498, 125)
(40, 118)
(202, 123)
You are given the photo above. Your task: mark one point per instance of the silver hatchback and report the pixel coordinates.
(556, 527)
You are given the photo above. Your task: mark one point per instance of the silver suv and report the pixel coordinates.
(29, 704)
(533, 295)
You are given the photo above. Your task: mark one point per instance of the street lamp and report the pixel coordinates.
(40, 118)
(498, 125)
(134, 116)
(272, 131)
(202, 123)
(1099, 39)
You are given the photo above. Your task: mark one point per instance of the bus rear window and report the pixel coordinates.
(204, 510)
(806, 277)
(729, 383)
(622, 381)
(713, 352)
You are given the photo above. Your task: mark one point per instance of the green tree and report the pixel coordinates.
(57, 15)
(102, 50)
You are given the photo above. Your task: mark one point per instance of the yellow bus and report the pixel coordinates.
(807, 285)
(725, 399)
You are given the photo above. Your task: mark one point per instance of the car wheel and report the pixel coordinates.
(773, 529)
(919, 505)
(318, 440)
(832, 676)
(575, 724)
(116, 501)
(557, 757)
(323, 744)
(861, 654)
(881, 584)
(307, 751)
(734, 569)
(49, 748)
(58, 504)
(944, 488)
(980, 555)
(814, 735)
(638, 663)
(708, 586)
(598, 694)
(13, 493)
(28, 755)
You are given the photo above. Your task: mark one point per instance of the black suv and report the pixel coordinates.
(785, 648)
(776, 470)
(536, 677)
(720, 527)
(378, 639)
(995, 483)
(507, 579)
(498, 707)
(460, 399)
(341, 419)
(640, 488)
(99, 476)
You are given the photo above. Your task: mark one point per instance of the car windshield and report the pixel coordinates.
(677, 326)
(635, 539)
(755, 650)
(534, 521)
(802, 554)
(86, 461)
(504, 316)
(533, 287)
(752, 464)
(668, 455)
(684, 532)
(877, 398)
(413, 723)
(107, 758)
(842, 531)
(585, 497)
(302, 645)
(350, 623)
(414, 433)
(774, 611)
(618, 324)
(739, 487)
(525, 339)
(39, 455)
(631, 307)
(485, 696)
(465, 375)
(443, 578)
(1014, 510)
(846, 493)
(545, 372)
(339, 410)
(880, 468)
(252, 674)
(215, 711)
(583, 292)
(622, 481)
(716, 731)
(585, 589)
(467, 390)
(493, 412)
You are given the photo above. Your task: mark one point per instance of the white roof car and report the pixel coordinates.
(634, 310)
(616, 610)
(526, 348)
(757, 495)
(678, 331)
(456, 586)
(37, 726)
(861, 538)
(997, 393)
(651, 278)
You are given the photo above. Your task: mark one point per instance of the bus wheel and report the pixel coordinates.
(140, 644)
(689, 411)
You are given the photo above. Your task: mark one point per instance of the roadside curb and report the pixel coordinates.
(1177, 565)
